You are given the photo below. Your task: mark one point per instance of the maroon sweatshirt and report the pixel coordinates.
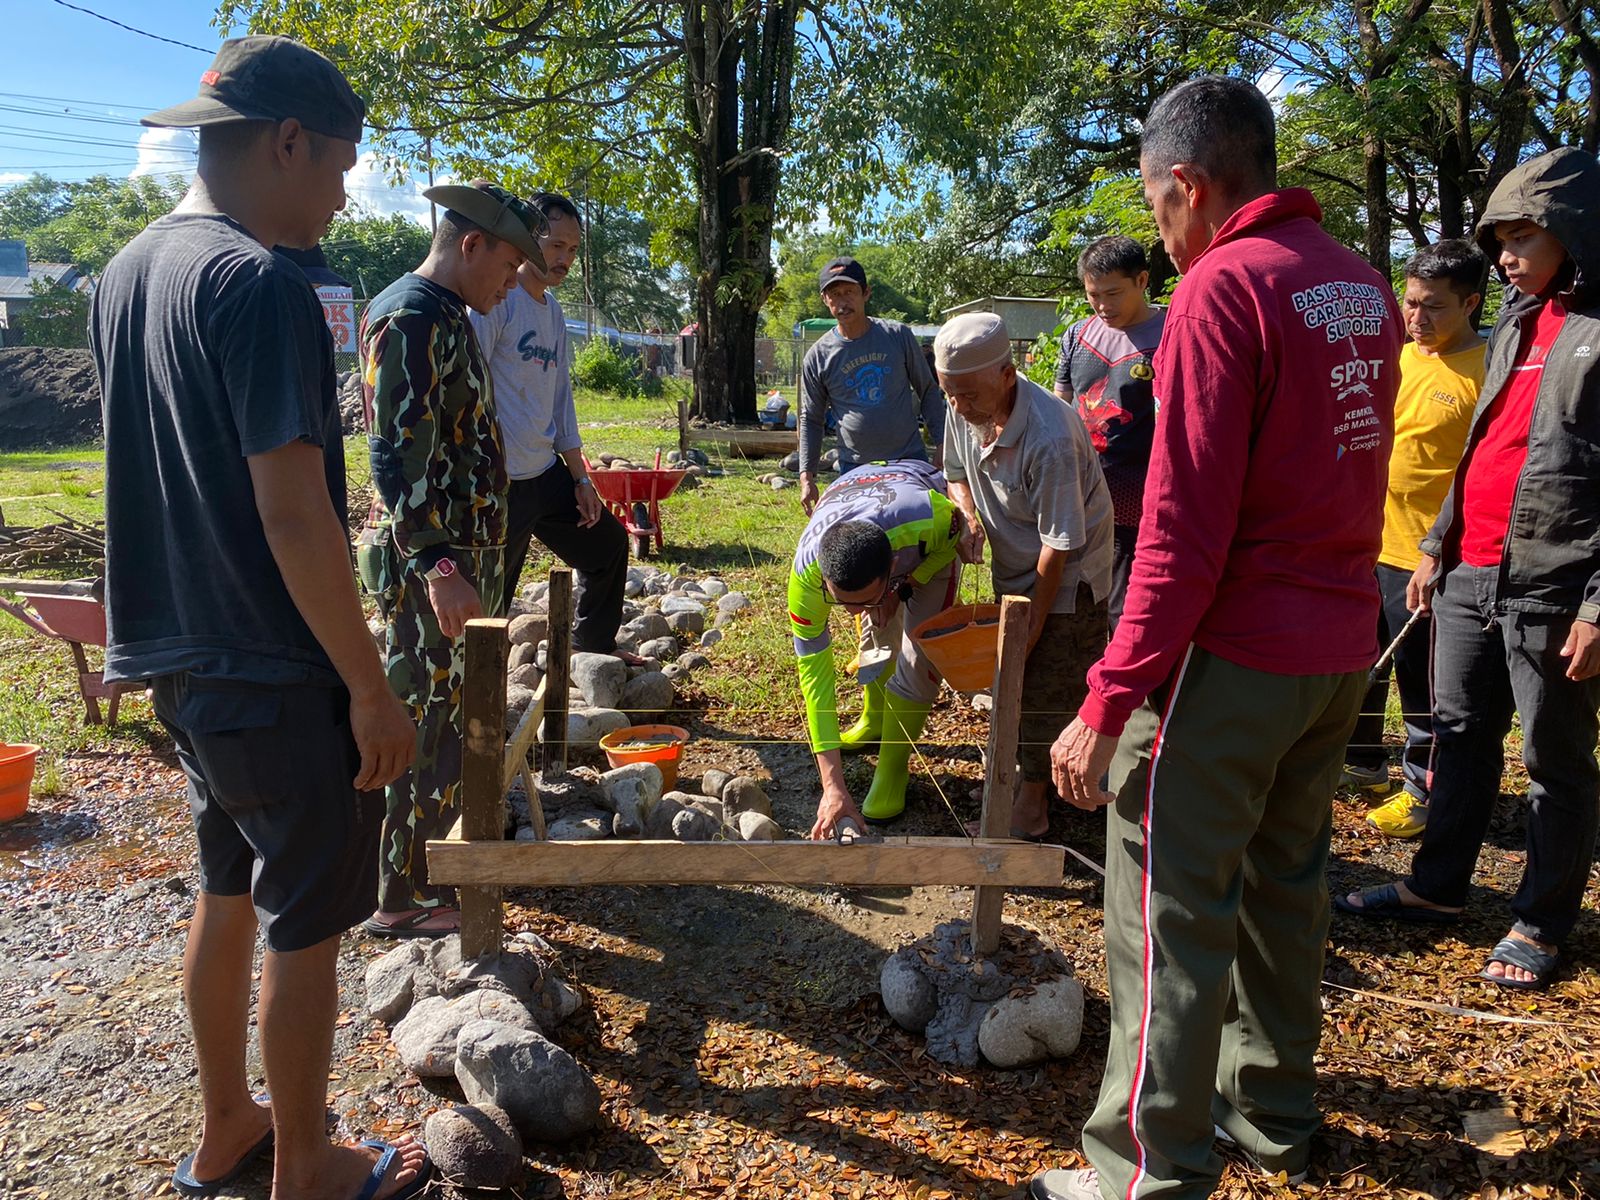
(1263, 512)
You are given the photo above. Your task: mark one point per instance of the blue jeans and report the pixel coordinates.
(1487, 665)
(1410, 670)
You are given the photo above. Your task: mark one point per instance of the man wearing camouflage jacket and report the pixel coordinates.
(432, 552)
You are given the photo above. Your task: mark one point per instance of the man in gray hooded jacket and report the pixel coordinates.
(1511, 573)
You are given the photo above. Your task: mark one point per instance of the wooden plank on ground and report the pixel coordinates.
(558, 670)
(749, 443)
(483, 821)
(894, 862)
(1000, 788)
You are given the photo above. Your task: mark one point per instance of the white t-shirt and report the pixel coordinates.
(524, 341)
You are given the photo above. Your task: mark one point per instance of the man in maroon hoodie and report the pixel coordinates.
(1249, 626)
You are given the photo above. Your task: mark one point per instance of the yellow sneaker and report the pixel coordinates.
(1403, 817)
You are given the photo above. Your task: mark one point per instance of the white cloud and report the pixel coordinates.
(11, 177)
(165, 152)
(371, 191)
(1278, 85)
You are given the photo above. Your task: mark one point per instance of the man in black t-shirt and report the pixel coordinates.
(228, 587)
(1106, 371)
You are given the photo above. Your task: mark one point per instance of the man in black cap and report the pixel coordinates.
(432, 553)
(873, 376)
(228, 588)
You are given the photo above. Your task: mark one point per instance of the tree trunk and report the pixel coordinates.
(1380, 221)
(738, 78)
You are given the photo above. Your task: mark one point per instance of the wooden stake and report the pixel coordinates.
(483, 717)
(558, 667)
(1000, 789)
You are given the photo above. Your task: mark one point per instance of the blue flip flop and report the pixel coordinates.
(381, 1168)
(183, 1177)
(1383, 903)
(1514, 952)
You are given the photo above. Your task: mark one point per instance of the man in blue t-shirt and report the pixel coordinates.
(228, 587)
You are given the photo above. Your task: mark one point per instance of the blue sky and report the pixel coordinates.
(73, 88)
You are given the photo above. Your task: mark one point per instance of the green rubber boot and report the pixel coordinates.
(869, 728)
(902, 724)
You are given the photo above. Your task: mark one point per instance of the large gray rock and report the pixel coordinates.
(586, 726)
(518, 697)
(560, 794)
(757, 827)
(515, 973)
(713, 782)
(710, 638)
(523, 655)
(425, 1038)
(1046, 1021)
(712, 808)
(663, 648)
(580, 826)
(529, 629)
(391, 981)
(695, 825)
(600, 678)
(647, 696)
(557, 1002)
(629, 793)
(744, 795)
(658, 826)
(527, 675)
(541, 1087)
(475, 1147)
(733, 602)
(908, 995)
(692, 623)
(693, 661)
(679, 604)
(649, 625)
(713, 587)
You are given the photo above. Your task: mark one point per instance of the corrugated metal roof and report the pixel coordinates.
(20, 287)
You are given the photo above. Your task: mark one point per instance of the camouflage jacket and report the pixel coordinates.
(438, 468)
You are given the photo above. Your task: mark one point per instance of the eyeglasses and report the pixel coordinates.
(828, 597)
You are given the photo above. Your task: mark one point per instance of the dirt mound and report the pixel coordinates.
(48, 397)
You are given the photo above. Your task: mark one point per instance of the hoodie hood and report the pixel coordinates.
(1560, 192)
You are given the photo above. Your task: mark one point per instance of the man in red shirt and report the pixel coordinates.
(1515, 557)
(1250, 623)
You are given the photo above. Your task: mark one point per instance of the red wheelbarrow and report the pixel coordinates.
(70, 613)
(635, 497)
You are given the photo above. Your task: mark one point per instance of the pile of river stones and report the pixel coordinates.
(488, 1024)
(669, 621)
(1017, 1007)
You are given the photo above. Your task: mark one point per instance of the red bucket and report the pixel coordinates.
(16, 779)
(963, 643)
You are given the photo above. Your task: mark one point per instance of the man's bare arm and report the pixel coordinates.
(313, 556)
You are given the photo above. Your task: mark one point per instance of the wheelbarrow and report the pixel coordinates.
(635, 497)
(70, 612)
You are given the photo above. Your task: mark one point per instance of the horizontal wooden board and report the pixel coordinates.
(753, 443)
(892, 862)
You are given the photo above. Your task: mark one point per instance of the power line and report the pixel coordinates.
(62, 114)
(72, 139)
(141, 32)
(78, 100)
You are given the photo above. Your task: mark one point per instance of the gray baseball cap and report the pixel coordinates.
(270, 79)
(502, 213)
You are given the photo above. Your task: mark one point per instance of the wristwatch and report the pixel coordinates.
(442, 569)
(581, 480)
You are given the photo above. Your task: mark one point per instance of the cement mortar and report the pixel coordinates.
(965, 988)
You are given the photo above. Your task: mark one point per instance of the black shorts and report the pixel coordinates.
(275, 814)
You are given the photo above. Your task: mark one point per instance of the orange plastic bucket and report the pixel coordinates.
(16, 779)
(964, 644)
(665, 755)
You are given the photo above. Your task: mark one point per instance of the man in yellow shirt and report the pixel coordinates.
(1441, 370)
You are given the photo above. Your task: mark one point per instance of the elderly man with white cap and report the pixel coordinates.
(1021, 462)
